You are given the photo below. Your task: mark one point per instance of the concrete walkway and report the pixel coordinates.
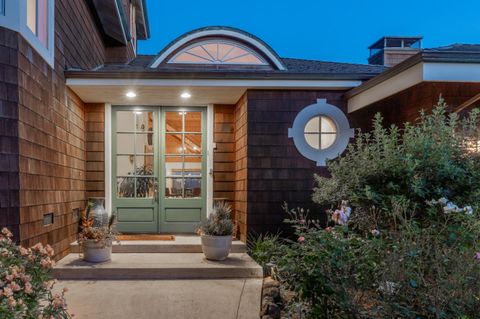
(164, 299)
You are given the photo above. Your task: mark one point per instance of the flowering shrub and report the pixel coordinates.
(415, 164)
(25, 284)
(409, 246)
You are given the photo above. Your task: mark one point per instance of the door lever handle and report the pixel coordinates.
(155, 189)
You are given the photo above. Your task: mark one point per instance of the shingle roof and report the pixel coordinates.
(295, 67)
(457, 47)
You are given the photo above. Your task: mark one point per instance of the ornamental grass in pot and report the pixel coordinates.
(97, 233)
(216, 232)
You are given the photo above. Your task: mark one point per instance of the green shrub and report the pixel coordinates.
(415, 164)
(410, 245)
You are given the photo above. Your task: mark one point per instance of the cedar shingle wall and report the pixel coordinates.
(241, 118)
(277, 172)
(224, 154)
(95, 184)
(46, 163)
(9, 180)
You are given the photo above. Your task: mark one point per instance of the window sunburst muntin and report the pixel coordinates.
(218, 52)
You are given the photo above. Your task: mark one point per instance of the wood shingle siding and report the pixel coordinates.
(276, 171)
(43, 130)
(241, 204)
(95, 136)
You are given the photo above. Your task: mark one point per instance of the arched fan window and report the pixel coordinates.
(218, 52)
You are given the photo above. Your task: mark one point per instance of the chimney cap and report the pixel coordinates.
(397, 42)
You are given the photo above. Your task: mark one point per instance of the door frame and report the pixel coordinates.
(210, 147)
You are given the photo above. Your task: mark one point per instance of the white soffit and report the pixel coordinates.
(421, 72)
(204, 92)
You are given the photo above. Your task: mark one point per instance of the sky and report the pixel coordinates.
(333, 30)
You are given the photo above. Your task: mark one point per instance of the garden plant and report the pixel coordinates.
(403, 237)
(25, 282)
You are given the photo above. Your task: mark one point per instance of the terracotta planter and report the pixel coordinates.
(216, 247)
(97, 252)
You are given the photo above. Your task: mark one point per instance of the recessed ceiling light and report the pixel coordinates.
(131, 94)
(185, 95)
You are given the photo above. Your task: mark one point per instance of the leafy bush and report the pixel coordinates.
(219, 222)
(410, 245)
(25, 284)
(415, 164)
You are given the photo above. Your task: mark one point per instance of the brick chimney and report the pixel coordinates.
(389, 51)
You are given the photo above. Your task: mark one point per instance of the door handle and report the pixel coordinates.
(155, 189)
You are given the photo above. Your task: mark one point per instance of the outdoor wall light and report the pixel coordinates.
(185, 95)
(130, 94)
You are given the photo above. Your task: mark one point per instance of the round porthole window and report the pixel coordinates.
(321, 131)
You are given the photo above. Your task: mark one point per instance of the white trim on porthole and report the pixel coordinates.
(15, 18)
(339, 126)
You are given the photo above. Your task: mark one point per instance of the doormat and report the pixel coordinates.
(145, 237)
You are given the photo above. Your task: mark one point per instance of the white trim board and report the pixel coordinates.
(314, 84)
(210, 151)
(421, 72)
(229, 33)
(108, 157)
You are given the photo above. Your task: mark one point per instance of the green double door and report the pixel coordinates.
(158, 168)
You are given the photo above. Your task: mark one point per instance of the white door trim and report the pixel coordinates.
(108, 157)
(210, 150)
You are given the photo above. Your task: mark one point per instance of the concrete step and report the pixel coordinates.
(181, 244)
(157, 266)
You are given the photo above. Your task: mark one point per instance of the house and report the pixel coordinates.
(216, 115)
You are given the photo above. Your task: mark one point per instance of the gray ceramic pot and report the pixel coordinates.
(216, 247)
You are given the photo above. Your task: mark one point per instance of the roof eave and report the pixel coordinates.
(423, 56)
(77, 74)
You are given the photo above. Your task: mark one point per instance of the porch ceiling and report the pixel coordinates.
(154, 95)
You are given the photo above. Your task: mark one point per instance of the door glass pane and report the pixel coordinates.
(173, 144)
(125, 121)
(173, 121)
(173, 187)
(125, 143)
(125, 165)
(144, 143)
(193, 122)
(193, 187)
(193, 143)
(173, 166)
(144, 121)
(144, 165)
(193, 166)
(145, 187)
(125, 187)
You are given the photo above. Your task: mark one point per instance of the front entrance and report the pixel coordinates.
(158, 168)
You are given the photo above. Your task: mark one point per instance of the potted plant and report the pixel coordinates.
(216, 232)
(97, 233)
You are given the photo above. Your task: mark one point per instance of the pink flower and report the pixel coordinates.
(12, 302)
(328, 229)
(6, 232)
(301, 239)
(28, 288)
(23, 251)
(14, 286)
(7, 292)
(302, 221)
(477, 256)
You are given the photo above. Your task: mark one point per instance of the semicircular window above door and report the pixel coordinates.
(218, 52)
